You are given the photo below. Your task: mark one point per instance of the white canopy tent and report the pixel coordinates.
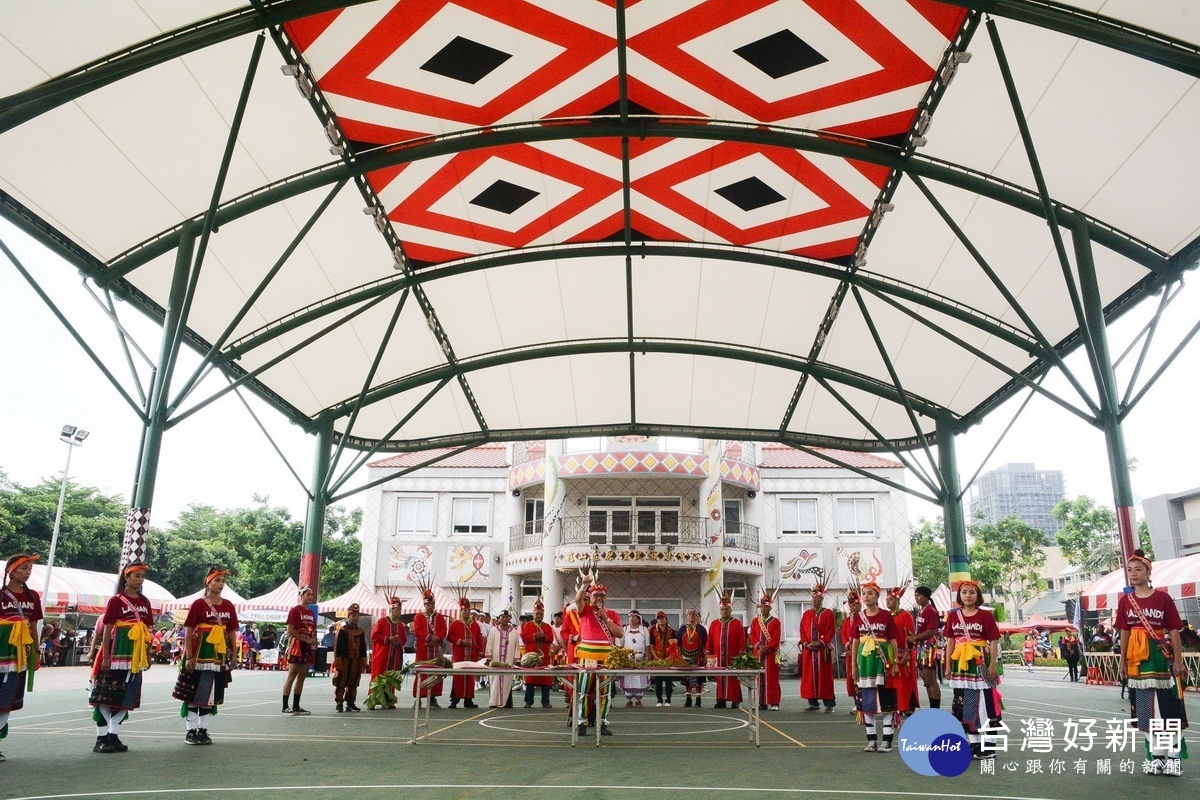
(368, 601)
(88, 592)
(282, 598)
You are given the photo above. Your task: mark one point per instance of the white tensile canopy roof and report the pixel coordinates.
(283, 597)
(693, 217)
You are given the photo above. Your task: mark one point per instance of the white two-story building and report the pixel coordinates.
(668, 520)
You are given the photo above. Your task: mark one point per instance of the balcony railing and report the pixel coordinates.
(673, 531)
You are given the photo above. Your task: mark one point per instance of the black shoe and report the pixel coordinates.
(719, 704)
(469, 704)
(547, 705)
(191, 738)
(339, 708)
(297, 711)
(433, 703)
(454, 704)
(351, 707)
(688, 703)
(605, 730)
(698, 702)
(813, 708)
(582, 731)
(202, 735)
(762, 706)
(286, 710)
(102, 745)
(116, 743)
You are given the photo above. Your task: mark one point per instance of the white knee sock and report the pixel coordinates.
(114, 722)
(193, 720)
(102, 727)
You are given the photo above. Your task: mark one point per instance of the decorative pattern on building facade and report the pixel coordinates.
(578, 464)
(740, 473)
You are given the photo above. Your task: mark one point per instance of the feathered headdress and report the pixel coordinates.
(425, 585)
(819, 585)
(768, 596)
(460, 591)
(539, 603)
(725, 596)
(898, 591)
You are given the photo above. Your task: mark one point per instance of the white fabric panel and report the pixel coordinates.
(1056, 78)
(827, 416)
(601, 386)
(84, 32)
(687, 389)
(796, 305)
(770, 390)
(447, 412)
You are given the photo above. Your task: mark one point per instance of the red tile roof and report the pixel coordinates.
(493, 455)
(776, 456)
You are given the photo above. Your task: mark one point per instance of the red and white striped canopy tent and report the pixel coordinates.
(1177, 577)
(1038, 622)
(184, 603)
(281, 598)
(442, 603)
(86, 590)
(368, 601)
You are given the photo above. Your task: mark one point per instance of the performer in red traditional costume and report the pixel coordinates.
(1152, 662)
(973, 661)
(765, 634)
(846, 635)
(874, 667)
(123, 655)
(466, 644)
(726, 639)
(907, 699)
(818, 626)
(537, 636)
(387, 644)
(692, 636)
(20, 613)
(925, 640)
(208, 651)
(599, 629)
(302, 649)
(429, 630)
(663, 645)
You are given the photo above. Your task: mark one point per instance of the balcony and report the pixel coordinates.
(607, 531)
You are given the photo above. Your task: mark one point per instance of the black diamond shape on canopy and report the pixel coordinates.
(504, 197)
(465, 60)
(749, 194)
(780, 54)
(631, 108)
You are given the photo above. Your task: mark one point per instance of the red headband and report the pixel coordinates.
(597, 588)
(1143, 559)
(19, 562)
(394, 602)
(870, 585)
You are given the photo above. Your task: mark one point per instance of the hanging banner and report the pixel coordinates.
(714, 508)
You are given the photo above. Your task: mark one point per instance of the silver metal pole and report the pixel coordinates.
(62, 496)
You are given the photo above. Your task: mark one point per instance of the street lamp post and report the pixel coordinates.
(74, 438)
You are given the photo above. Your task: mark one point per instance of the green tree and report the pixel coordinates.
(1143, 538)
(90, 531)
(1089, 534)
(928, 545)
(1006, 557)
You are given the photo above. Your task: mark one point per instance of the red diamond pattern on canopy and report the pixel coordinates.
(411, 68)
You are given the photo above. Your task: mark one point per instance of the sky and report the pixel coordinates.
(219, 456)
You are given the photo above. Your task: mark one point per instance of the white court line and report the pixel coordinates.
(558, 788)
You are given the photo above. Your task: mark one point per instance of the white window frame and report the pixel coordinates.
(858, 502)
(815, 515)
(412, 498)
(473, 502)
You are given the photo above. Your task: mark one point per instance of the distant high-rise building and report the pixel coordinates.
(1020, 490)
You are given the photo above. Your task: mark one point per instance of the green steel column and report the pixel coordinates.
(137, 523)
(1109, 418)
(953, 521)
(314, 523)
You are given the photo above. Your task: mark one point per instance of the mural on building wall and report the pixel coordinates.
(407, 562)
(800, 566)
(860, 564)
(469, 564)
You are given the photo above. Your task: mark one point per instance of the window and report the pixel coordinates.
(856, 516)
(798, 516)
(414, 515)
(470, 515)
(535, 513)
